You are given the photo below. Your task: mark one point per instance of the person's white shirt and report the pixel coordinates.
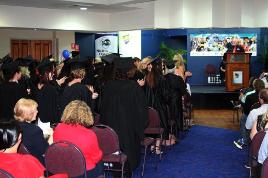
(265, 82)
(188, 88)
(244, 97)
(263, 151)
(253, 115)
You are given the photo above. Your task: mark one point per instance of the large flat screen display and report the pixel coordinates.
(217, 44)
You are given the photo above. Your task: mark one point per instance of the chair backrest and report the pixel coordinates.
(107, 138)
(65, 157)
(153, 118)
(23, 150)
(5, 174)
(264, 171)
(256, 143)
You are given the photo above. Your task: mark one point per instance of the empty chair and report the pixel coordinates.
(109, 144)
(254, 150)
(65, 157)
(154, 128)
(235, 108)
(5, 174)
(187, 112)
(264, 171)
(146, 142)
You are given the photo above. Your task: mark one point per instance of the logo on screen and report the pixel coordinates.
(105, 43)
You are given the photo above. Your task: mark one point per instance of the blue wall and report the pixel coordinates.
(150, 42)
(180, 39)
(86, 42)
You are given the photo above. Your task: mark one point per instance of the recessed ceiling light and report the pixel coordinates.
(83, 8)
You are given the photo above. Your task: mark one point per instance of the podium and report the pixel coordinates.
(237, 71)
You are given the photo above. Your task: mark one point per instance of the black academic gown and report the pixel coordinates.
(48, 103)
(10, 93)
(124, 108)
(156, 98)
(176, 88)
(77, 91)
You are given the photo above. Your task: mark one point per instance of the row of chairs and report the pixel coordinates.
(64, 157)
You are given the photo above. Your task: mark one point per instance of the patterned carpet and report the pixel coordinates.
(204, 152)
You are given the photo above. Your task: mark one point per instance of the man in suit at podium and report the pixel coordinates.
(238, 48)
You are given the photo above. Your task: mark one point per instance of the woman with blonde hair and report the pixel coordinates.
(25, 112)
(75, 126)
(75, 90)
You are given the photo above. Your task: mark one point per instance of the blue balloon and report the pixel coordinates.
(65, 54)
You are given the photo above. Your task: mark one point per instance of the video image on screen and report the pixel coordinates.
(218, 44)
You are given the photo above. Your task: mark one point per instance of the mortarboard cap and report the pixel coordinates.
(26, 61)
(124, 63)
(77, 62)
(46, 64)
(8, 63)
(110, 57)
(170, 64)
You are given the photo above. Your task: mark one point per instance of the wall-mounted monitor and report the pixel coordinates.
(217, 44)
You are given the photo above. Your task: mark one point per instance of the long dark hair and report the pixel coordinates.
(9, 134)
(155, 73)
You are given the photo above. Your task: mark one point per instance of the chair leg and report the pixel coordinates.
(144, 159)
(233, 115)
(160, 147)
(122, 170)
(237, 114)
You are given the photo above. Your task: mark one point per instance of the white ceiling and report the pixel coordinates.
(108, 6)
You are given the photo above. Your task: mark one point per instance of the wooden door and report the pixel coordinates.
(15, 48)
(36, 48)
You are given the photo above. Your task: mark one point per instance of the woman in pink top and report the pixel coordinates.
(75, 127)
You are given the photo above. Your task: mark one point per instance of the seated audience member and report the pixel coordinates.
(76, 121)
(264, 78)
(249, 101)
(259, 125)
(19, 165)
(253, 115)
(25, 112)
(263, 151)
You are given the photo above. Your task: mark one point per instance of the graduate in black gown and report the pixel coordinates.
(177, 89)
(156, 92)
(124, 108)
(46, 94)
(10, 90)
(75, 90)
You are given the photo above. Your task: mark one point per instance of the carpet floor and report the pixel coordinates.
(204, 152)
